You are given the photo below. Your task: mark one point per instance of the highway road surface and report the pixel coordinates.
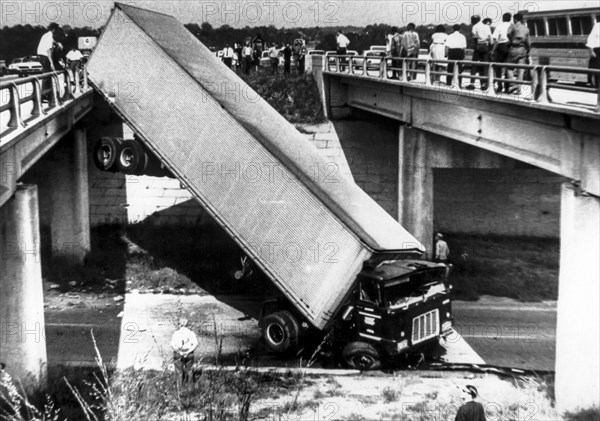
(136, 330)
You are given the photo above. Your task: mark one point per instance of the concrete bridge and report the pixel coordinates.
(430, 127)
(550, 126)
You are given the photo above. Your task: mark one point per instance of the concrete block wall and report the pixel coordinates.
(519, 202)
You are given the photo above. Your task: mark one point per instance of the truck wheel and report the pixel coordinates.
(132, 158)
(105, 153)
(280, 331)
(361, 356)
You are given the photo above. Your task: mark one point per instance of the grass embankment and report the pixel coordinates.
(296, 97)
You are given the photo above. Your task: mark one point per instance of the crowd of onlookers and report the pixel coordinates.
(248, 57)
(509, 43)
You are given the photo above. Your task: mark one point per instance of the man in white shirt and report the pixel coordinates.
(184, 342)
(501, 47)
(228, 55)
(342, 47)
(593, 43)
(46, 47)
(456, 45)
(442, 251)
(482, 39)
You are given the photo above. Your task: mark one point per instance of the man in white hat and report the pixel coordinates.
(184, 342)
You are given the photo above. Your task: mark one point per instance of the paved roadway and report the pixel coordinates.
(502, 332)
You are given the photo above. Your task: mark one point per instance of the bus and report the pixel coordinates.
(558, 38)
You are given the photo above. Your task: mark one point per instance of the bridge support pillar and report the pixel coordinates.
(70, 215)
(415, 186)
(23, 341)
(577, 343)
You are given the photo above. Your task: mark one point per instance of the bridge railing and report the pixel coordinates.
(27, 98)
(489, 74)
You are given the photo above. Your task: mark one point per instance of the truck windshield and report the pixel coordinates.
(408, 289)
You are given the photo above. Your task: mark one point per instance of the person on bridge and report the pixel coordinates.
(342, 43)
(46, 47)
(228, 56)
(593, 43)
(411, 45)
(471, 410)
(482, 39)
(518, 52)
(274, 58)
(287, 59)
(438, 49)
(184, 342)
(456, 45)
(396, 50)
(442, 251)
(500, 48)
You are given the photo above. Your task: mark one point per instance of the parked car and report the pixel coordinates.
(26, 66)
(3, 67)
(331, 59)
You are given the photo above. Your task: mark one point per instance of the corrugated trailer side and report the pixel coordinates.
(259, 191)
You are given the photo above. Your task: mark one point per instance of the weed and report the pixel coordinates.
(389, 395)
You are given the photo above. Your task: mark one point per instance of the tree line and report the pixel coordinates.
(22, 40)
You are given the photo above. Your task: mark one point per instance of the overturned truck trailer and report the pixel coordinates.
(338, 258)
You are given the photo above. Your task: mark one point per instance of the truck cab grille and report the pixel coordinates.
(425, 326)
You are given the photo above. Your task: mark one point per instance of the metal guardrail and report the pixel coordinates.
(45, 88)
(407, 69)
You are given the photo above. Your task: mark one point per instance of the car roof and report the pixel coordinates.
(395, 268)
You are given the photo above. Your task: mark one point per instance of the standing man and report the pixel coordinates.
(396, 52)
(456, 45)
(442, 251)
(74, 57)
(471, 410)
(342, 43)
(228, 55)
(518, 52)
(593, 43)
(274, 58)
(287, 59)
(247, 57)
(46, 47)
(482, 39)
(500, 50)
(184, 342)
(302, 60)
(410, 47)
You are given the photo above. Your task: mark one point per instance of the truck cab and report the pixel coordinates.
(397, 307)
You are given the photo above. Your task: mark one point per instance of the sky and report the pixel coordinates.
(281, 13)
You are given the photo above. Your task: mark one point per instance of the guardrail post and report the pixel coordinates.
(54, 101)
(85, 78)
(15, 108)
(597, 109)
(68, 94)
(535, 82)
(364, 67)
(37, 100)
(383, 68)
(404, 73)
(337, 64)
(77, 77)
(456, 76)
(427, 73)
(544, 97)
(490, 82)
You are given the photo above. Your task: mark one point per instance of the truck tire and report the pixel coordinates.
(132, 158)
(280, 331)
(361, 356)
(105, 153)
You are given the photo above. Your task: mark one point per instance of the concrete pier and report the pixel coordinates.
(22, 341)
(69, 217)
(578, 346)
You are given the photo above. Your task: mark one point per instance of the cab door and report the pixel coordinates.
(368, 315)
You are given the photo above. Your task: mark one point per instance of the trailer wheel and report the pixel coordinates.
(280, 331)
(105, 153)
(132, 158)
(361, 356)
